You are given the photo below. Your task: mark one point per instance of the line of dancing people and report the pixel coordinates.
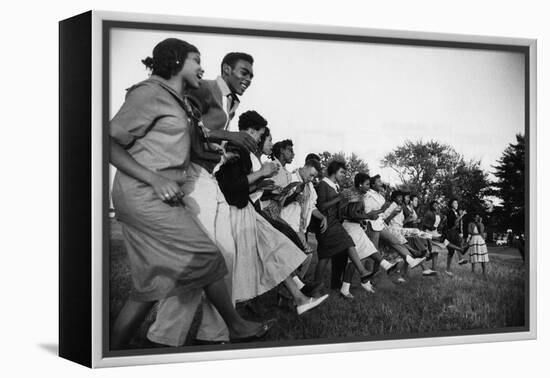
(207, 221)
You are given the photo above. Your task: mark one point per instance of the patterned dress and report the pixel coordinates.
(478, 249)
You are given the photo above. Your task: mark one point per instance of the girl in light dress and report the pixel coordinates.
(478, 249)
(265, 257)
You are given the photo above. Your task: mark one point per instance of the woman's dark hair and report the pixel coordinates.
(451, 202)
(395, 194)
(252, 120)
(432, 203)
(233, 57)
(261, 143)
(313, 156)
(279, 147)
(315, 164)
(413, 196)
(334, 166)
(360, 178)
(169, 57)
(373, 180)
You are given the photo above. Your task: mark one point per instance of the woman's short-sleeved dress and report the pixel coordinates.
(168, 250)
(335, 239)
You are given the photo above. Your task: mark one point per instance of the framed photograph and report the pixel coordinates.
(236, 189)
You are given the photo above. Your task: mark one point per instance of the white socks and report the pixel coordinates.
(385, 264)
(298, 282)
(345, 288)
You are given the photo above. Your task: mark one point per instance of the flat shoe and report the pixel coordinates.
(417, 262)
(311, 304)
(348, 296)
(429, 272)
(260, 333)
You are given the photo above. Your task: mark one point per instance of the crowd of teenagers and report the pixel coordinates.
(212, 217)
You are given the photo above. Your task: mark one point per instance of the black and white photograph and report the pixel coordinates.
(279, 189)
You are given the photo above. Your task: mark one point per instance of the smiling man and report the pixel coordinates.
(220, 98)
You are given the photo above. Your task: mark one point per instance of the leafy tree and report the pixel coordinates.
(510, 185)
(354, 164)
(435, 171)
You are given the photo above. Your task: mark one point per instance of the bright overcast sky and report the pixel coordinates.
(358, 97)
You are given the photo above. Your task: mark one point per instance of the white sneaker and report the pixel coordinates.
(450, 274)
(368, 287)
(415, 262)
(311, 304)
(429, 272)
(401, 280)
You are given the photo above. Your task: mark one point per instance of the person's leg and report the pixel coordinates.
(212, 327)
(346, 284)
(299, 297)
(338, 265)
(456, 243)
(304, 268)
(379, 261)
(321, 269)
(174, 318)
(473, 267)
(218, 295)
(483, 269)
(405, 271)
(434, 260)
(411, 250)
(127, 322)
(521, 248)
(356, 261)
(450, 254)
(205, 200)
(303, 302)
(374, 236)
(395, 244)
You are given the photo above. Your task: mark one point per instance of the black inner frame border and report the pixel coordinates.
(108, 25)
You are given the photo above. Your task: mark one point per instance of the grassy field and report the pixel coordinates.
(421, 306)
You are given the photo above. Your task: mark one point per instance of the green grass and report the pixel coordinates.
(422, 306)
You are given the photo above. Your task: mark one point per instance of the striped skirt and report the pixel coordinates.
(478, 249)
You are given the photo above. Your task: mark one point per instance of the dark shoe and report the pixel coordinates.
(260, 333)
(366, 278)
(314, 290)
(208, 342)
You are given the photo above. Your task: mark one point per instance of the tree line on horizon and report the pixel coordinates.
(436, 171)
